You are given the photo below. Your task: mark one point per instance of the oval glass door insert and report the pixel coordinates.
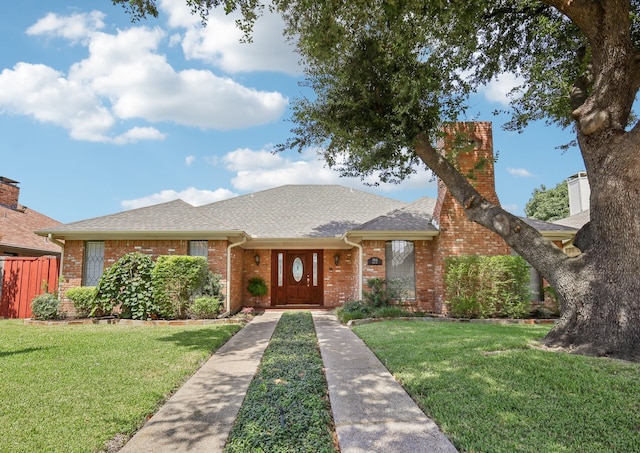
(297, 269)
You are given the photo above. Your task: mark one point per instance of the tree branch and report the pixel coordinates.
(524, 239)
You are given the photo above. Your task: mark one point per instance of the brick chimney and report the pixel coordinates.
(472, 145)
(9, 192)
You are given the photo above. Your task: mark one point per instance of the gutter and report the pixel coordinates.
(360, 258)
(228, 292)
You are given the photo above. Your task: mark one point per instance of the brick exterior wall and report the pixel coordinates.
(72, 265)
(458, 235)
(341, 280)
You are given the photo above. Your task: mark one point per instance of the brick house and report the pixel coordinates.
(315, 245)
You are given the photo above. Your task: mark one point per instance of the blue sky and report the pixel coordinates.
(99, 114)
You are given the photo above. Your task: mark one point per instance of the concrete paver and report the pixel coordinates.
(371, 411)
(199, 416)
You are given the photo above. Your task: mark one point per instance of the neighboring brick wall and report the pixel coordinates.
(458, 235)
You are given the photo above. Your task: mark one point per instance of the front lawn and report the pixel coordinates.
(72, 388)
(491, 391)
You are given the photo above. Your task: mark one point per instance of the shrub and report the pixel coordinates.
(128, 284)
(354, 309)
(83, 298)
(382, 292)
(175, 280)
(205, 307)
(212, 286)
(390, 312)
(46, 306)
(487, 286)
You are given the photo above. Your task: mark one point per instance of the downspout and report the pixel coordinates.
(360, 257)
(228, 292)
(61, 245)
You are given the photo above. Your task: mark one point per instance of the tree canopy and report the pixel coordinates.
(549, 204)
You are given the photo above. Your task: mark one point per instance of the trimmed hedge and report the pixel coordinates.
(487, 286)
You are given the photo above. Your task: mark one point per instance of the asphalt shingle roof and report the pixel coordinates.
(413, 217)
(301, 211)
(17, 230)
(576, 221)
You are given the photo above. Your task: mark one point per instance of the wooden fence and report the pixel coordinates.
(22, 279)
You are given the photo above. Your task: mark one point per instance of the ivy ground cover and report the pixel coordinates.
(491, 389)
(72, 388)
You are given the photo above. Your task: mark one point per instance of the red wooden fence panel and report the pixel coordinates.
(23, 278)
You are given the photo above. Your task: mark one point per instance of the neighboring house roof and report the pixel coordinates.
(301, 211)
(17, 228)
(576, 221)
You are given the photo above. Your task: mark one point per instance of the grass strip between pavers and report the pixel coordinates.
(286, 408)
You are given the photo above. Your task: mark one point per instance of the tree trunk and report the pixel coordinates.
(602, 288)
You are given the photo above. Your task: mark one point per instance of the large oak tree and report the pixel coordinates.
(387, 74)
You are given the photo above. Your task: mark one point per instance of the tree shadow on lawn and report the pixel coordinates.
(21, 351)
(202, 339)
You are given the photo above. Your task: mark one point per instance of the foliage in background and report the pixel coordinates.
(72, 388)
(487, 286)
(286, 408)
(176, 279)
(549, 204)
(46, 306)
(205, 307)
(127, 284)
(489, 390)
(83, 299)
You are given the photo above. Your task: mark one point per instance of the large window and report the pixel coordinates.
(199, 248)
(401, 268)
(93, 262)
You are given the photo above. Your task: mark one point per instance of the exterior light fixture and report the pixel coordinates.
(336, 259)
(257, 259)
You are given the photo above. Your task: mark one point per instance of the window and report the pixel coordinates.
(199, 248)
(401, 268)
(93, 262)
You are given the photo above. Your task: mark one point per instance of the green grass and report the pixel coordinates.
(72, 388)
(491, 391)
(286, 408)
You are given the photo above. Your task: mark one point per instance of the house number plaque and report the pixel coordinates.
(374, 261)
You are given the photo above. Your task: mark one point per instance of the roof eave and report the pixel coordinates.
(137, 234)
(389, 235)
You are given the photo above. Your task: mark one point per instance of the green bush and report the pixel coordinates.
(353, 309)
(205, 307)
(175, 280)
(487, 286)
(127, 284)
(390, 312)
(83, 298)
(382, 292)
(212, 286)
(46, 306)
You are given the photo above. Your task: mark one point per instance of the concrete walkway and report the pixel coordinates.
(372, 412)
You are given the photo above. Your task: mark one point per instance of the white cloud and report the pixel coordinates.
(76, 27)
(189, 160)
(510, 207)
(126, 77)
(499, 90)
(521, 172)
(191, 195)
(219, 42)
(137, 134)
(259, 170)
